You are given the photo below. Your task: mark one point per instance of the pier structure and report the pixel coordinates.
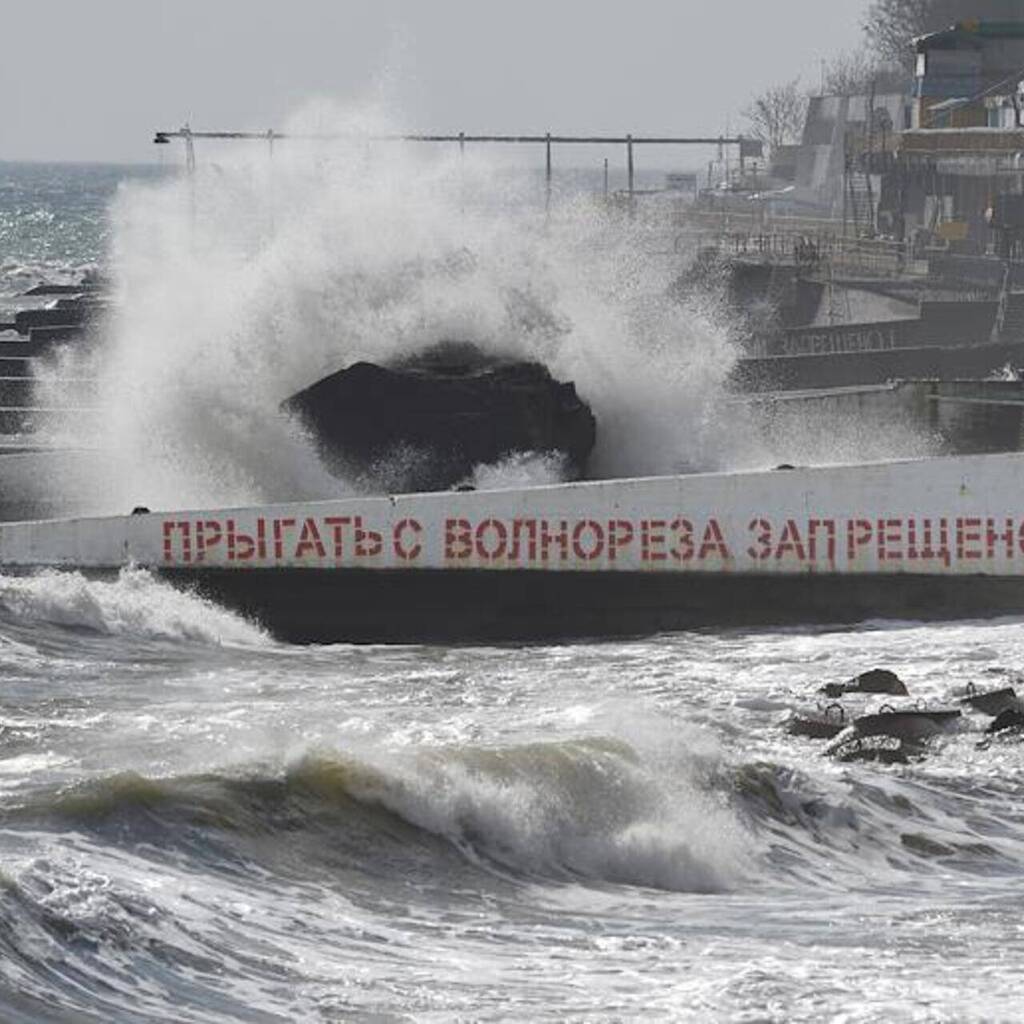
(746, 147)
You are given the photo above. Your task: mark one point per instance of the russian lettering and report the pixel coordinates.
(790, 543)
(713, 542)
(170, 528)
(519, 526)
(992, 538)
(241, 547)
(208, 535)
(683, 550)
(652, 540)
(404, 549)
(935, 548)
(338, 525)
(186, 540)
(369, 543)
(829, 526)
(560, 539)
(493, 530)
(280, 525)
(310, 540)
(968, 534)
(858, 535)
(889, 535)
(593, 549)
(763, 539)
(458, 539)
(620, 535)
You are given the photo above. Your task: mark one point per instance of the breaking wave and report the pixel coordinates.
(256, 277)
(134, 604)
(587, 809)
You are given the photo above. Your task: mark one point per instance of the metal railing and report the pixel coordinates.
(747, 146)
(815, 251)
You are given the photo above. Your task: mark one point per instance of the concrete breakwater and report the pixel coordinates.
(30, 346)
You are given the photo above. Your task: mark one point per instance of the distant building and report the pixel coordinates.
(965, 150)
(964, 67)
(837, 129)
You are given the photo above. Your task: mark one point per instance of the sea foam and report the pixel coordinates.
(133, 604)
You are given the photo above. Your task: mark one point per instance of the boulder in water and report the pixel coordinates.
(1009, 719)
(877, 680)
(426, 423)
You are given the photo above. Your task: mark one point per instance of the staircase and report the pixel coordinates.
(860, 203)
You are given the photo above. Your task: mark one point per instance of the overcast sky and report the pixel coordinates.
(92, 79)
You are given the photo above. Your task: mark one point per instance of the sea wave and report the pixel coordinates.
(132, 604)
(828, 830)
(589, 809)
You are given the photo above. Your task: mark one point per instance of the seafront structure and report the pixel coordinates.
(892, 243)
(930, 538)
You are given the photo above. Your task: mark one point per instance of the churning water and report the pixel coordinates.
(200, 824)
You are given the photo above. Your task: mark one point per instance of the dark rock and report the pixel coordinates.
(879, 750)
(917, 724)
(821, 724)
(877, 680)
(439, 415)
(1011, 718)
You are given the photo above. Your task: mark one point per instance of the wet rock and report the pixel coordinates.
(877, 680)
(878, 750)
(819, 724)
(915, 724)
(427, 422)
(891, 736)
(1006, 720)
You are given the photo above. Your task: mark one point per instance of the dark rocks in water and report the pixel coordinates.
(821, 724)
(994, 702)
(878, 680)
(879, 750)
(428, 421)
(912, 725)
(1006, 720)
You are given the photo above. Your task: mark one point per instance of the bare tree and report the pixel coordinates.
(892, 25)
(856, 72)
(776, 117)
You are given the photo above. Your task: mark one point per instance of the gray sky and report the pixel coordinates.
(92, 79)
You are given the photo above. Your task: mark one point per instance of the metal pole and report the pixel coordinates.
(462, 172)
(270, 142)
(190, 150)
(629, 165)
(606, 177)
(547, 180)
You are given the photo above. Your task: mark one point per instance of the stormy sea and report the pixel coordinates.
(199, 823)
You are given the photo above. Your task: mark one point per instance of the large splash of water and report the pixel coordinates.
(260, 274)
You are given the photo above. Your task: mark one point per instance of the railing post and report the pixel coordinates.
(190, 149)
(547, 174)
